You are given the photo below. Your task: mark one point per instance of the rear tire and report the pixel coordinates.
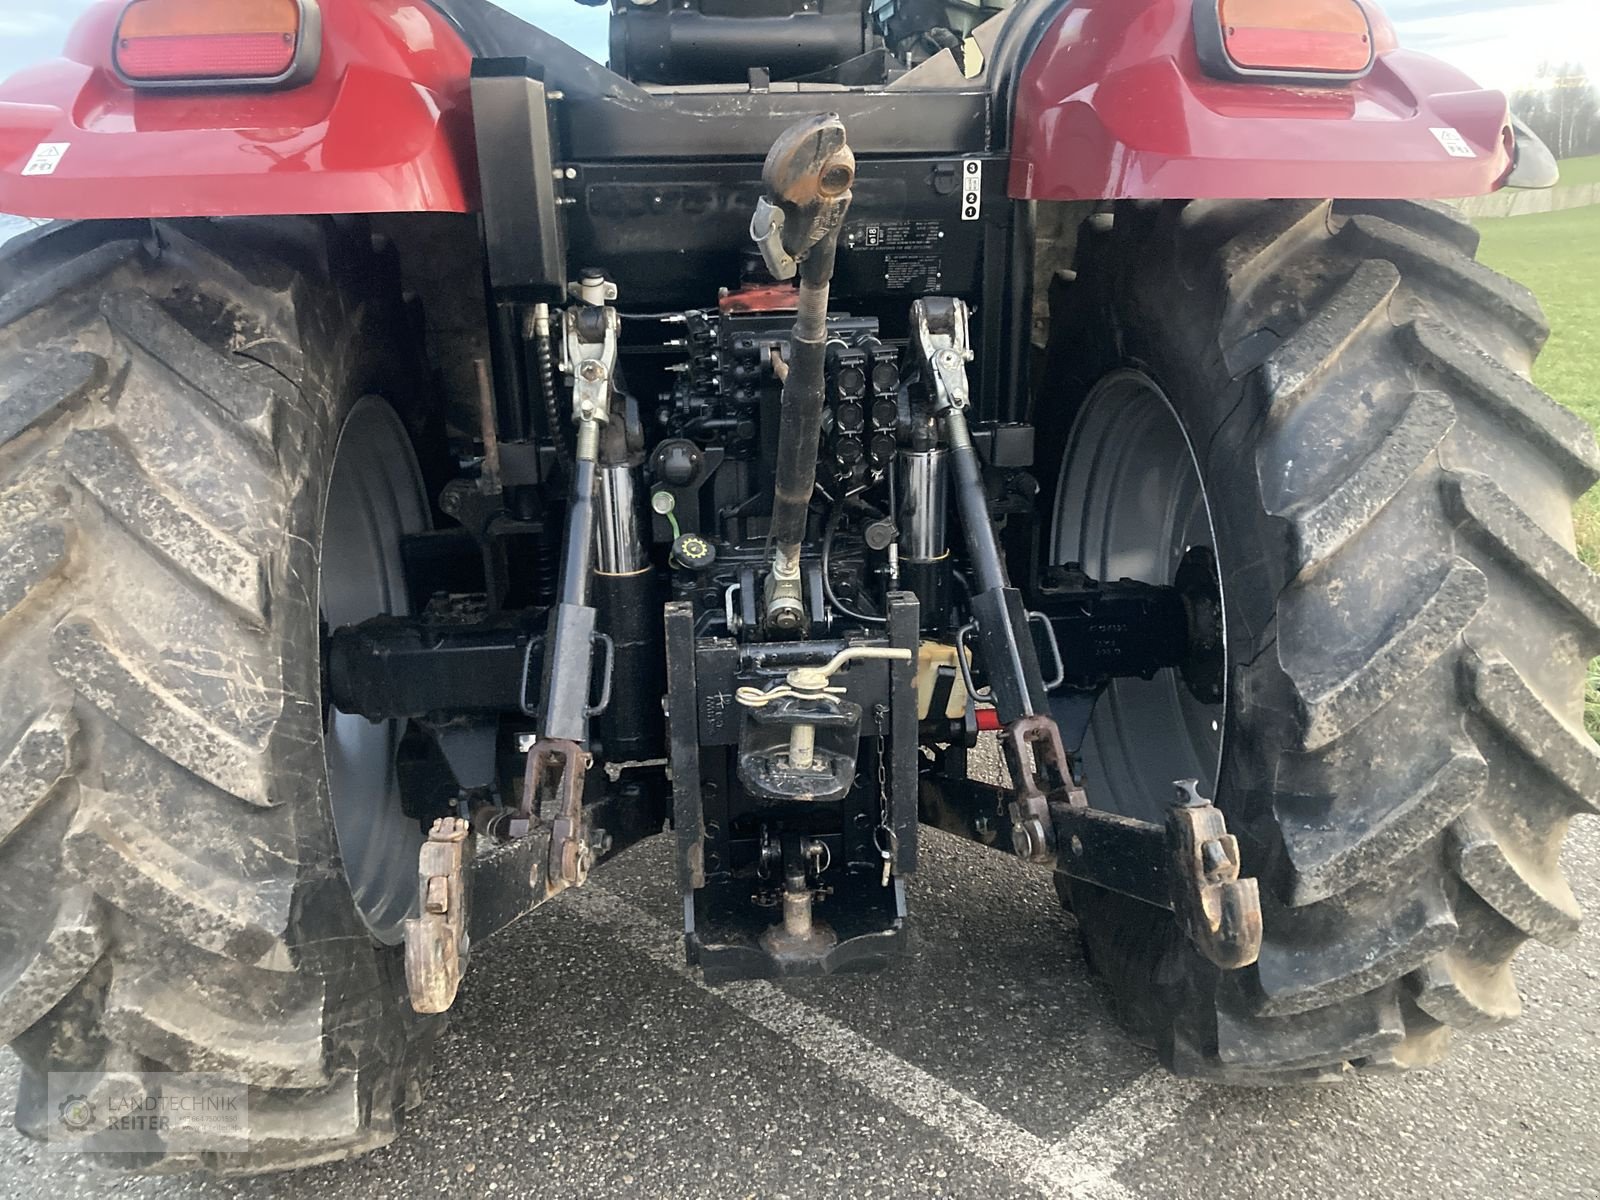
(171, 894)
(1407, 624)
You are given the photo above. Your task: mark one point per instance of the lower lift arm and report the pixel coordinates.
(562, 845)
(1192, 864)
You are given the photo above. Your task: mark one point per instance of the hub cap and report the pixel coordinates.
(375, 497)
(1130, 505)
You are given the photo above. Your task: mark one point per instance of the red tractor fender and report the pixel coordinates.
(1114, 104)
(385, 126)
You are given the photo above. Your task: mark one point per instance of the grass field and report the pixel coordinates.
(1558, 256)
(1581, 170)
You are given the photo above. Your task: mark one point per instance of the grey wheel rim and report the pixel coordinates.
(375, 497)
(1129, 504)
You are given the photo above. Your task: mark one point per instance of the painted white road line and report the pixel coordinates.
(1079, 1166)
(1117, 1131)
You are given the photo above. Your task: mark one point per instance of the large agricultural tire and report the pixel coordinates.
(172, 397)
(1339, 394)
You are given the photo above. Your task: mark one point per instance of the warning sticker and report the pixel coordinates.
(913, 272)
(896, 235)
(1454, 144)
(47, 158)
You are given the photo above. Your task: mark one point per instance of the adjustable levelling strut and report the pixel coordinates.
(1000, 624)
(552, 789)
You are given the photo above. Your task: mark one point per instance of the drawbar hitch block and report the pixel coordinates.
(1190, 865)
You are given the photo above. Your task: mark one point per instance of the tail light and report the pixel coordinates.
(218, 43)
(1314, 40)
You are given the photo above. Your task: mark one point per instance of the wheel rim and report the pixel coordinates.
(375, 497)
(1130, 503)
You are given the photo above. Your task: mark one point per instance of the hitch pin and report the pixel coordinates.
(812, 683)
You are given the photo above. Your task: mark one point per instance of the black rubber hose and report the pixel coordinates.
(827, 576)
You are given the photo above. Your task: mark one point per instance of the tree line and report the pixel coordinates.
(1563, 109)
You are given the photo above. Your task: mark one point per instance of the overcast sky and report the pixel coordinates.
(1499, 42)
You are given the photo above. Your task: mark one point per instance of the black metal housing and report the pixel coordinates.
(718, 848)
(1111, 630)
(527, 254)
(399, 667)
(713, 41)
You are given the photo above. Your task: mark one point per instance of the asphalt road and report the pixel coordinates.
(985, 1066)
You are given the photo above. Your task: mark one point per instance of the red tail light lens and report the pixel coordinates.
(197, 42)
(1327, 39)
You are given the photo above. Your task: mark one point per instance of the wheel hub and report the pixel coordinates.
(1131, 505)
(375, 498)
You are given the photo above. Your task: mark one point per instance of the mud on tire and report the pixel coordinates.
(1408, 625)
(170, 889)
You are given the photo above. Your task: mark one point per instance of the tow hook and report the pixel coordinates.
(1220, 912)
(437, 941)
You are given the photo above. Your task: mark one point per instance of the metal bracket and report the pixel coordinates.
(592, 362)
(557, 768)
(942, 340)
(1032, 748)
(437, 941)
(964, 658)
(1190, 866)
(766, 230)
(600, 706)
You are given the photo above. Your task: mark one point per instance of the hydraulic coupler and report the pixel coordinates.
(1001, 627)
(552, 793)
(807, 176)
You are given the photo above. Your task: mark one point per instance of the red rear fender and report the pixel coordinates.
(1111, 104)
(385, 126)
(1114, 104)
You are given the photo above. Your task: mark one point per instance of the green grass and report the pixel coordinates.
(1591, 700)
(1581, 170)
(1558, 256)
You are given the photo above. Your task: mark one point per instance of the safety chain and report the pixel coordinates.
(883, 837)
